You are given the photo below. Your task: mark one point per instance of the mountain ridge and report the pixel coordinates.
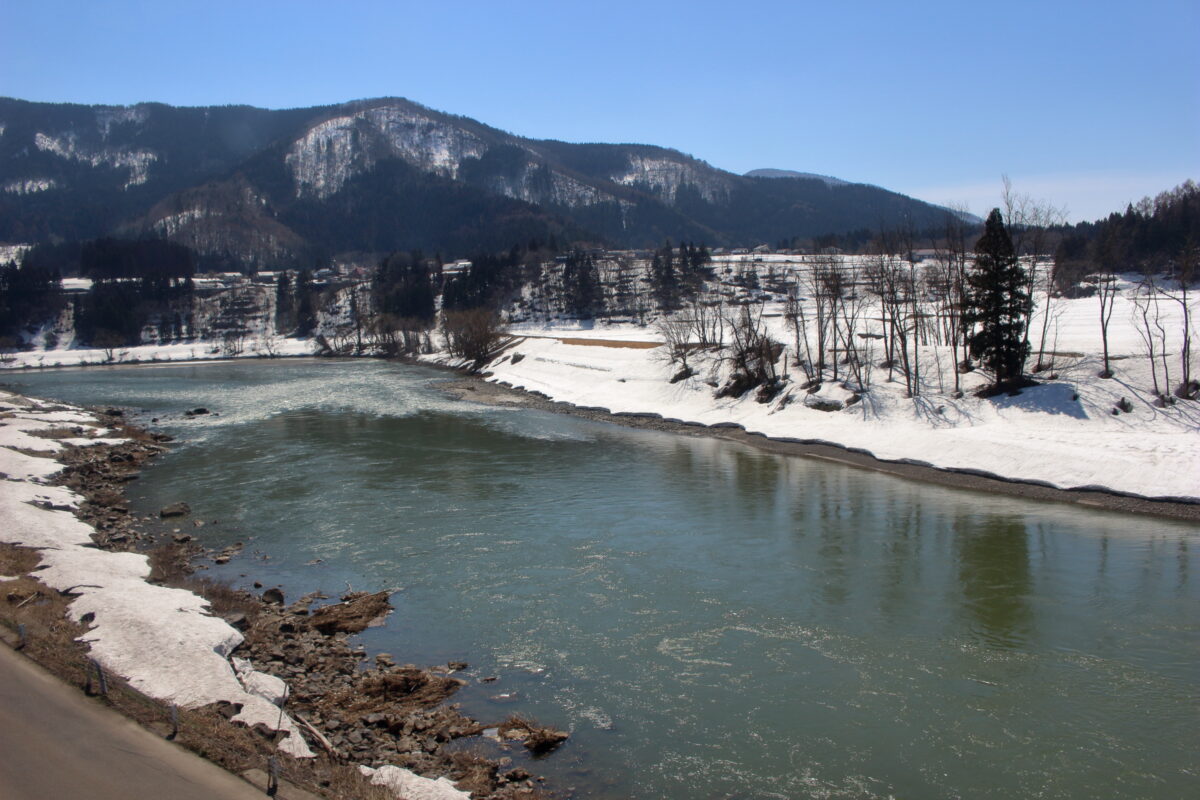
(250, 187)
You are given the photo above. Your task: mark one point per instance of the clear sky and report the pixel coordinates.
(1088, 105)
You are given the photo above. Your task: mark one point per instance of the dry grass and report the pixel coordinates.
(629, 345)
(62, 433)
(50, 640)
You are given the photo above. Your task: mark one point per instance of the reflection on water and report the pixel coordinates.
(707, 619)
(993, 558)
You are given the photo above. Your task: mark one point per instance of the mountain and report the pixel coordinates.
(791, 173)
(251, 187)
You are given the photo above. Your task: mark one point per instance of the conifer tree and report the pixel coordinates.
(998, 304)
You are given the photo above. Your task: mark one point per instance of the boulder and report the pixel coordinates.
(357, 612)
(175, 510)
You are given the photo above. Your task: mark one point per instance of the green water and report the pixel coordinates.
(709, 621)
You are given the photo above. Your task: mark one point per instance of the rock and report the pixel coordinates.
(457, 666)
(358, 611)
(228, 710)
(273, 596)
(181, 538)
(175, 510)
(543, 740)
(221, 559)
(236, 619)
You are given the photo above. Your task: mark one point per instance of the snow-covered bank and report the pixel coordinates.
(1063, 433)
(156, 353)
(165, 642)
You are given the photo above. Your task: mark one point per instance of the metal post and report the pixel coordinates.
(282, 702)
(174, 721)
(20, 635)
(101, 680)
(272, 775)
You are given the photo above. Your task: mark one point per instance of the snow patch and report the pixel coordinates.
(166, 642)
(411, 786)
(30, 185)
(67, 146)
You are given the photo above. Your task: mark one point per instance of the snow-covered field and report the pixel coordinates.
(1062, 433)
(150, 353)
(1072, 431)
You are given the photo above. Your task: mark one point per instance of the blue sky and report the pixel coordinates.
(1088, 105)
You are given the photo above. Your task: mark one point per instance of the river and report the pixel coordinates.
(708, 620)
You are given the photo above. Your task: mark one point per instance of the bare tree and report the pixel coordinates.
(1146, 312)
(1044, 218)
(268, 343)
(1106, 288)
(474, 334)
(676, 332)
(707, 322)
(793, 313)
(108, 341)
(752, 355)
(1185, 273)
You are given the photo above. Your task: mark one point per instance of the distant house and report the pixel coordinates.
(762, 248)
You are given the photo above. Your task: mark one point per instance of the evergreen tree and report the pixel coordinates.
(306, 312)
(998, 304)
(581, 285)
(285, 304)
(664, 279)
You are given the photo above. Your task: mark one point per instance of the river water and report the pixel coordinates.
(709, 621)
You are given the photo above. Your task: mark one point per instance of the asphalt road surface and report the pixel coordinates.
(57, 744)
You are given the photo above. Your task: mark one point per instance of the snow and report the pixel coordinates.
(1062, 433)
(411, 786)
(67, 146)
(165, 642)
(148, 353)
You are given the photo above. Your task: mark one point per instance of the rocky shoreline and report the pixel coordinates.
(352, 708)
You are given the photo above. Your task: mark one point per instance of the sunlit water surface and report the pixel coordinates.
(707, 620)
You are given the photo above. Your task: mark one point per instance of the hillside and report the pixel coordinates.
(248, 187)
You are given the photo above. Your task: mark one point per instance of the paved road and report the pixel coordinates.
(57, 744)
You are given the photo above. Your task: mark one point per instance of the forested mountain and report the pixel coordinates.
(247, 187)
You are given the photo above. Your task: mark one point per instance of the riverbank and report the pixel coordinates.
(73, 548)
(489, 390)
(1059, 442)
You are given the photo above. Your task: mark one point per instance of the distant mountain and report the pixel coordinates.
(252, 187)
(791, 173)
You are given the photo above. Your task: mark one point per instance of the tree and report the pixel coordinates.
(474, 334)
(582, 292)
(998, 304)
